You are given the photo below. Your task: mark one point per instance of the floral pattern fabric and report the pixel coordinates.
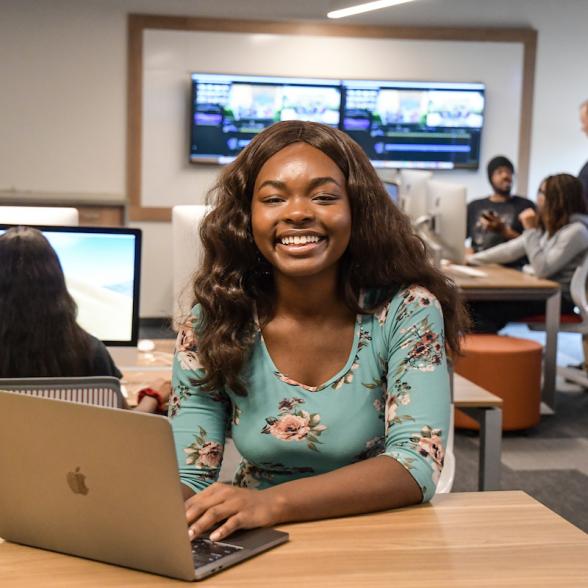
(391, 398)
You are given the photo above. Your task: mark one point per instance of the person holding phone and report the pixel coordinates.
(554, 239)
(495, 219)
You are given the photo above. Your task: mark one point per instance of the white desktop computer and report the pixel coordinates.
(447, 210)
(413, 193)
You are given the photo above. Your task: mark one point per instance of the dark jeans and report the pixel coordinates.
(490, 316)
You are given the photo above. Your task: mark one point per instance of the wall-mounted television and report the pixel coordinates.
(102, 268)
(399, 124)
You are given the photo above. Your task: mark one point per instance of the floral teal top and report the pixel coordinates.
(391, 398)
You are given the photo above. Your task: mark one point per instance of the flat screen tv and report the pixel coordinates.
(102, 268)
(428, 125)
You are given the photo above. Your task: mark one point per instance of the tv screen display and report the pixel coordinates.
(429, 125)
(415, 124)
(102, 273)
(229, 110)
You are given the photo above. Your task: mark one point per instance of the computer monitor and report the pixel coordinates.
(393, 191)
(447, 208)
(102, 272)
(413, 192)
(39, 215)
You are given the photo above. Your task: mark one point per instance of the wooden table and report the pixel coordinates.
(501, 283)
(470, 540)
(486, 409)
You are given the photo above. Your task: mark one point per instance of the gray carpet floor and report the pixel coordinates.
(550, 461)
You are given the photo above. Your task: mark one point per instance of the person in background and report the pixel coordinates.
(39, 335)
(583, 175)
(555, 240)
(495, 219)
(318, 339)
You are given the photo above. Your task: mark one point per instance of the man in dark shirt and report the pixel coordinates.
(495, 219)
(583, 175)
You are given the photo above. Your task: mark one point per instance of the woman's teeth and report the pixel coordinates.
(299, 240)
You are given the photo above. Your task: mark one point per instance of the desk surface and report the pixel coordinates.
(467, 394)
(499, 277)
(489, 539)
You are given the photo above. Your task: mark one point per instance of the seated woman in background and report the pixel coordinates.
(555, 241)
(318, 340)
(39, 335)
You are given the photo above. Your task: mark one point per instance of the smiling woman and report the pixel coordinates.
(318, 338)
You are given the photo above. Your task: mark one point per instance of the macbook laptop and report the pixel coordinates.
(103, 484)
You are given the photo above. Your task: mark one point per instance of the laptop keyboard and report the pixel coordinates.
(205, 551)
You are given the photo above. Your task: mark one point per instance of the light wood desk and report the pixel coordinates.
(486, 539)
(502, 283)
(486, 409)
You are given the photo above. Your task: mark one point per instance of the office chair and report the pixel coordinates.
(447, 476)
(571, 323)
(97, 390)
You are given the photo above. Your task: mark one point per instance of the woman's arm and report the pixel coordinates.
(377, 483)
(198, 418)
(503, 253)
(549, 257)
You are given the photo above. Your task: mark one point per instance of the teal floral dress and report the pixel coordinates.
(391, 398)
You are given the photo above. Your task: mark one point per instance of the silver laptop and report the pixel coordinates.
(102, 483)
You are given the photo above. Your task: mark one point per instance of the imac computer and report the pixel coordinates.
(38, 215)
(102, 272)
(447, 211)
(393, 191)
(187, 255)
(413, 192)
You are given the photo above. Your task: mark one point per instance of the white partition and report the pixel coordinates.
(39, 215)
(187, 254)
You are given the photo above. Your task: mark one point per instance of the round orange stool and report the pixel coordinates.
(508, 367)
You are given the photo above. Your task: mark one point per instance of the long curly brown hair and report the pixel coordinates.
(563, 197)
(234, 280)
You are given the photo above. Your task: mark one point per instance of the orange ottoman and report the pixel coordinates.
(508, 367)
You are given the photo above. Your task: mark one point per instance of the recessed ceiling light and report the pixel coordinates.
(364, 7)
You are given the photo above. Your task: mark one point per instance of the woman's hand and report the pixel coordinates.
(242, 508)
(528, 218)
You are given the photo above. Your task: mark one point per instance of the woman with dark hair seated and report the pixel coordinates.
(555, 241)
(318, 338)
(39, 335)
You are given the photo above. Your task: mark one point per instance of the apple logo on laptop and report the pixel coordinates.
(77, 482)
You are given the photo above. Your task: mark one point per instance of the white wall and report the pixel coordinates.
(63, 98)
(169, 56)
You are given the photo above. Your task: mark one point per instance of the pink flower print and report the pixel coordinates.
(189, 360)
(173, 405)
(382, 313)
(288, 404)
(203, 453)
(391, 406)
(290, 427)
(292, 382)
(379, 405)
(186, 341)
(210, 455)
(430, 445)
(295, 426)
